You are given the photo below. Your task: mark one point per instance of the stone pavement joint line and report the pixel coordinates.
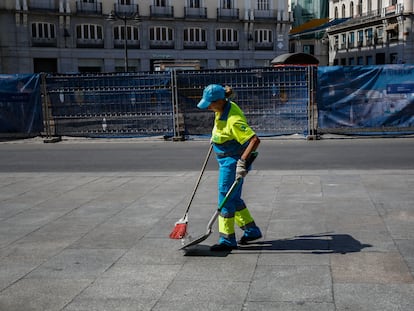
(333, 240)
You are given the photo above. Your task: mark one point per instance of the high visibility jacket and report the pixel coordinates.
(231, 131)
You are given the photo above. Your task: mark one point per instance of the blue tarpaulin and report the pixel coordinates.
(20, 104)
(366, 96)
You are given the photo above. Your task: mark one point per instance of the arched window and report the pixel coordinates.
(343, 11)
(351, 9)
(336, 12)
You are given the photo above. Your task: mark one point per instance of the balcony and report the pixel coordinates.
(43, 5)
(90, 43)
(44, 42)
(158, 44)
(195, 13)
(161, 11)
(195, 45)
(226, 45)
(126, 10)
(89, 8)
(227, 13)
(263, 46)
(131, 44)
(265, 14)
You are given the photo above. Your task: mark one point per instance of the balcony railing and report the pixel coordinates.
(227, 13)
(195, 45)
(44, 5)
(44, 42)
(94, 8)
(131, 44)
(265, 14)
(127, 10)
(158, 44)
(89, 43)
(224, 45)
(195, 12)
(263, 46)
(161, 11)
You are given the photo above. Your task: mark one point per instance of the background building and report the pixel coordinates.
(378, 32)
(305, 10)
(357, 32)
(89, 35)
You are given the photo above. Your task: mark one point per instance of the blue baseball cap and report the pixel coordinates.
(211, 93)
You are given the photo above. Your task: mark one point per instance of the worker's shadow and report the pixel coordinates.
(316, 244)
(326, 243)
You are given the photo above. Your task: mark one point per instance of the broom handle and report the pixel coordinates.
(199, 179)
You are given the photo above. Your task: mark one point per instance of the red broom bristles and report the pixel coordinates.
(179, 231)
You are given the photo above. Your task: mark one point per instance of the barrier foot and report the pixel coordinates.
(52, 140)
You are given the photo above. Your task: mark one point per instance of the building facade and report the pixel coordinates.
(378, 32)
(89, 35)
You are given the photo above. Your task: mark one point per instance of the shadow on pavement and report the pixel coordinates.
(315, 244)
(204, 250)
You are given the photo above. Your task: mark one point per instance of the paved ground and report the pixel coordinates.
(334, 240)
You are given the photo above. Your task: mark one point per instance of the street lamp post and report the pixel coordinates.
(125, 16)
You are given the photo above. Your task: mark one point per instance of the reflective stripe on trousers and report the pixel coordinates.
(235, 210)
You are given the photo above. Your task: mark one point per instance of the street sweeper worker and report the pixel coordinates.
(233, 142)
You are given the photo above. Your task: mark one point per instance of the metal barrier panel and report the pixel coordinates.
(124, 104)
(274, 100)
(366, 100)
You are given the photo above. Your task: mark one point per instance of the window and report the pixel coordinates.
(351, 38)
(194, 4)
(226, 35)
(161, 34)
(227, 63)
(351, 9)
(125, 2)
(336, 12)
(194, 35)
(335, 42)
(343, 10)
(369, 60)
(369, 36)
(343, 41)
(309, 49)
(263, 5)
(89, 32)
(351, 61)
(379, 35)
(263, 36)
(360, 60)
(360, 38)
(162, 3)
(43, 31)
(132, 33)
(227, 4)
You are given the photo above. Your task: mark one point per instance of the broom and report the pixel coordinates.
(180, 228)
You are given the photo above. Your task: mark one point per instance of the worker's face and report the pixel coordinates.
(217, 106)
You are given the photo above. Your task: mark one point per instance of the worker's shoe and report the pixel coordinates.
(222, 247)
(250, 234)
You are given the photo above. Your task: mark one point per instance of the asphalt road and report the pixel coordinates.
(137, 155)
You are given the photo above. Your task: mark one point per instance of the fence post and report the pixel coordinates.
(178, 117)
(48, 129)
(312, 107)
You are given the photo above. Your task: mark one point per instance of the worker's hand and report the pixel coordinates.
(241, 169)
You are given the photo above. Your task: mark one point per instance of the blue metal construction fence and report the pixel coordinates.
(308, 100)
(275, 101)
(136, 104)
